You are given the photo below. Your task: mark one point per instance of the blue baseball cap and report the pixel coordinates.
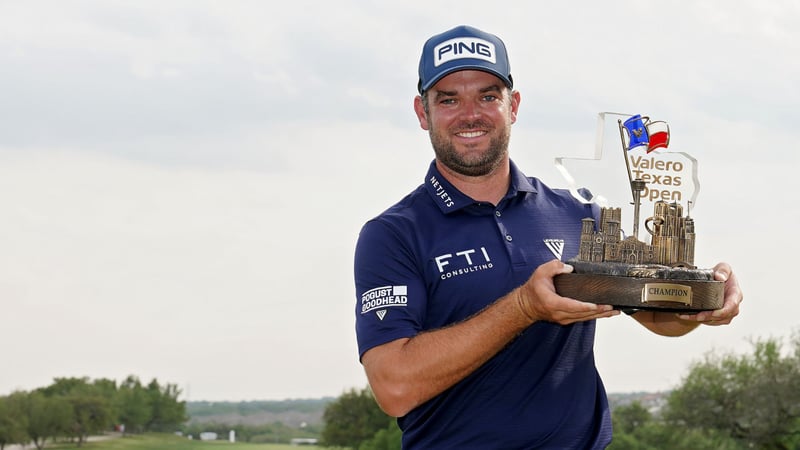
(463, 48)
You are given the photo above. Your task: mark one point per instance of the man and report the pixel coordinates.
(460, 330)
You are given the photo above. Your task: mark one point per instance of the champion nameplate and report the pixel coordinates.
(666, 292)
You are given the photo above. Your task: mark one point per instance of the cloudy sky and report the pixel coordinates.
(182, 182)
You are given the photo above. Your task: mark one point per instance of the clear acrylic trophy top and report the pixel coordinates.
(634, 169)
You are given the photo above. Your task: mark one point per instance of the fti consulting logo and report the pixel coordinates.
(384, 297)
(463, 262)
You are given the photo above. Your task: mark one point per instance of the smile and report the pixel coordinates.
(471, 134)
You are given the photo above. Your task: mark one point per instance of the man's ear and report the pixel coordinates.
(420, 110)
(515, 99)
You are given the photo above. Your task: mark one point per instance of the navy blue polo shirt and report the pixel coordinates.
(436, 258)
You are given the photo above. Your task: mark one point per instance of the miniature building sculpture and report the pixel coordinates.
(672, 238)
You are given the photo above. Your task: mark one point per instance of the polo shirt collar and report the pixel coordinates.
(450, 199)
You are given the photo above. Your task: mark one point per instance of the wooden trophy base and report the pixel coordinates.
(639, 286)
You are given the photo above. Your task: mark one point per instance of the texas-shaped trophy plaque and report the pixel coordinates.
(616, 269)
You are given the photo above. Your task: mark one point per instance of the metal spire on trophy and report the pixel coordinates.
(611, 268)
(639, 132)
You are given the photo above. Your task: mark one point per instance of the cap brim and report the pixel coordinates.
(422, 88)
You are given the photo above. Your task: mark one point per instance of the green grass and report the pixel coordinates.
(157, 441)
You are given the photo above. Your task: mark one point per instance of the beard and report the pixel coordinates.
(474, 165)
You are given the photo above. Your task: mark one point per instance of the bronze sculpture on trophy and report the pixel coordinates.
(659, 273)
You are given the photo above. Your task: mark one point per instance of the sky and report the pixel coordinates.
(182, 183)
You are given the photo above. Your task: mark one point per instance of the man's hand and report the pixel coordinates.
(730, 307)
(538, 299)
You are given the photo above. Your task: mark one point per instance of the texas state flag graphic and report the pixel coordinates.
(640, 131)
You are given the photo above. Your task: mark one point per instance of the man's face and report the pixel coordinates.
(469, 119)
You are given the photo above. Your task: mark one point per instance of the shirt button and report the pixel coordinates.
(508, 237)
(497, 213)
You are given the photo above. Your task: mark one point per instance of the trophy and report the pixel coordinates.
(657, 271)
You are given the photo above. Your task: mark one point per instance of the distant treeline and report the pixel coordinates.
(259, 421)
(199, 409)
(75, 408)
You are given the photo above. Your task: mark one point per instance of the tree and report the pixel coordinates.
(90, 402)
(352, 419)
(90, 415)
(657, 435)
(389, 438)
(62, 387)
(167, 411)
(78, 408)
(630, 417)
(13, 421)
(46, 417)
(107, 389)
(133, 405)
(752, 398)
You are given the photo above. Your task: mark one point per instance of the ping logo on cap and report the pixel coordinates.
(465, 47)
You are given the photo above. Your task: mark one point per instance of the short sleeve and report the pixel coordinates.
(390, 290)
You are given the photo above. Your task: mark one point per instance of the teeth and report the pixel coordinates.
(471, 134)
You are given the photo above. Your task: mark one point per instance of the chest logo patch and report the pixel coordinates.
(451, 265)
(556, 247)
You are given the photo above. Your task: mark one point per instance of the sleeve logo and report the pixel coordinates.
(383, 297)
